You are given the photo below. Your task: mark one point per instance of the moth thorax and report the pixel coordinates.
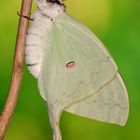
(51, 8)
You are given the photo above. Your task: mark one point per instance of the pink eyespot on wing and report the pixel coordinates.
(70, 65)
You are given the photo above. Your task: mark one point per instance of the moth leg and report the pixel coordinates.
(24, 16)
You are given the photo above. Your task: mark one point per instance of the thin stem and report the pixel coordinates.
(17, 69)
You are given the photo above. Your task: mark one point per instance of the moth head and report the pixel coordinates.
(50, 8)
(59, 2)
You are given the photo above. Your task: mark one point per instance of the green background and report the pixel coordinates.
(117, 24)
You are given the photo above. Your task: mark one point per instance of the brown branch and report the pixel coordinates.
(17, 69)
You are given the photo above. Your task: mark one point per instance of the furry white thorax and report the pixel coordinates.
(49, 9)
(37, 36)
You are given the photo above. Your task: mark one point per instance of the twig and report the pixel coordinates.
(17, 69)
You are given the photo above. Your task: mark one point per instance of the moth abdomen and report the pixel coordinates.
(33, 60)
(33, 51)
(35, 42)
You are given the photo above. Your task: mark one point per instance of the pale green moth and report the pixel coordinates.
(75, 72)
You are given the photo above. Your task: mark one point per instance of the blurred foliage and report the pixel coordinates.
(117, 24)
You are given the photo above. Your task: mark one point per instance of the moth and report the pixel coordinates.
(75, 71)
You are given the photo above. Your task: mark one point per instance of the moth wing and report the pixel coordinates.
(92, 76)
(109, 104)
